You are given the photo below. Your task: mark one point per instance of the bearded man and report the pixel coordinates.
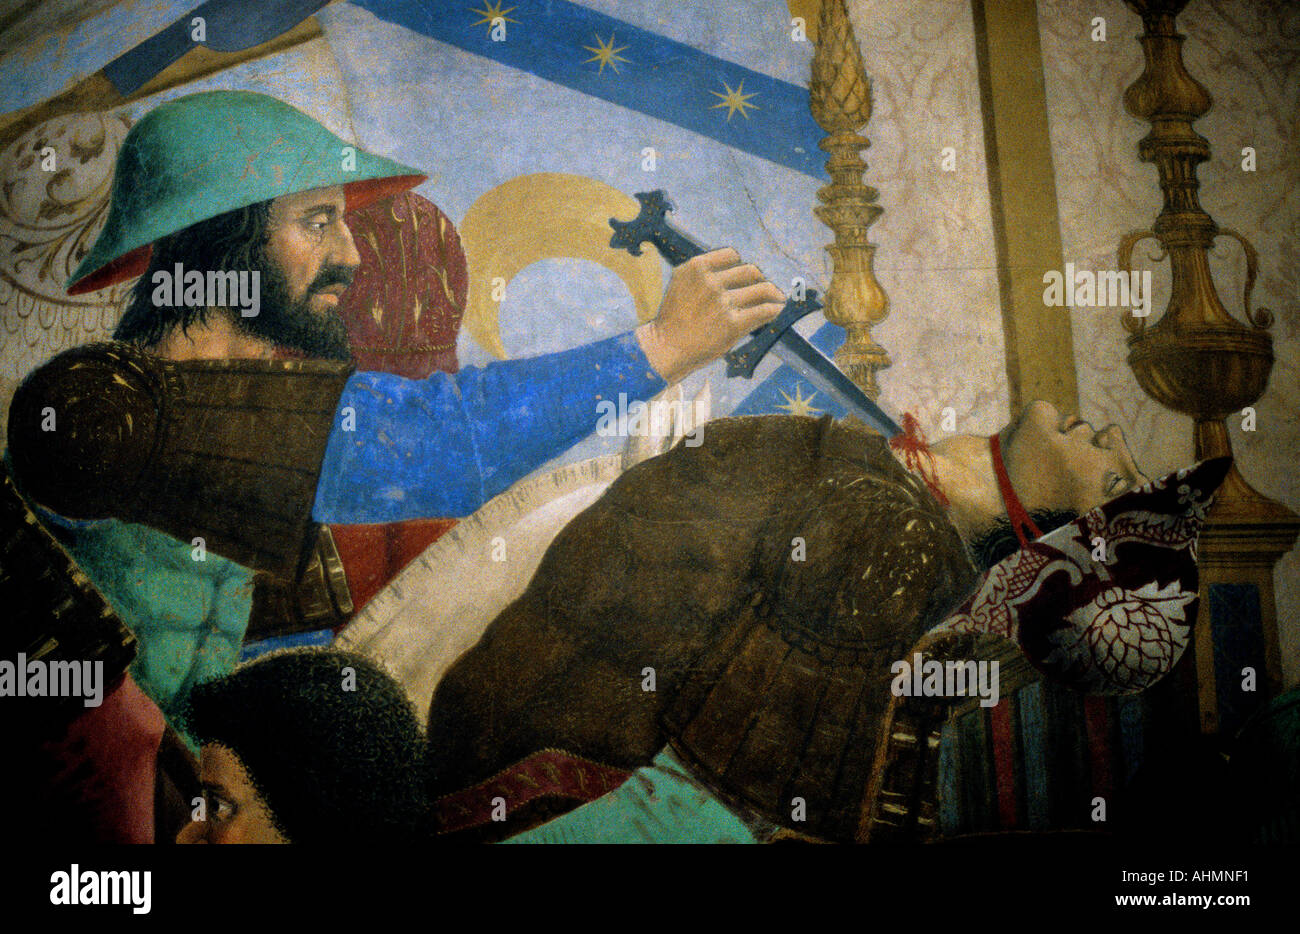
(192, 467)
(239, 189)
(724, 619)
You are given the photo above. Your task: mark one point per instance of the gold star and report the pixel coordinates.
(606, 54)
(735, 100)
(799, 405)
(493, 11)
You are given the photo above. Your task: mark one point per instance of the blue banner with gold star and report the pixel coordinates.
(624, 64)
(705, 99)
(785, 392)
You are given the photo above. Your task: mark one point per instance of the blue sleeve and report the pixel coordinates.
(443, 446)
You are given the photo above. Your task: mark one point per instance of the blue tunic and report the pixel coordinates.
(444, 446)
(399, 449)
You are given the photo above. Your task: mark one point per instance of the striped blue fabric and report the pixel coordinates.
(1130, 734)
(655, 75)
(1033, 736)
(786, 392)
(295, 640)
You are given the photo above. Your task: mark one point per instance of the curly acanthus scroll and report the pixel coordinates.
(53, 203)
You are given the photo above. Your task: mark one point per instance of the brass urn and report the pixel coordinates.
(1199, 360)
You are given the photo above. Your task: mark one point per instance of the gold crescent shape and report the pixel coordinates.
(543, 216)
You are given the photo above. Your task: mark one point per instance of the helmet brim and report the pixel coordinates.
(357, 194)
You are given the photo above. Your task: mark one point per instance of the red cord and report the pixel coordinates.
(1016, 512)
(916, 455)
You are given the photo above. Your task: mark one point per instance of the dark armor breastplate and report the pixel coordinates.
(227, 451)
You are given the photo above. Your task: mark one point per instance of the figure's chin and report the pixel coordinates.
(302, 331)
(1037, 416)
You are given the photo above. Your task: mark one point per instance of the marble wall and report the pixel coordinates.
(1247, 53)
(936, 259)
(936, 253)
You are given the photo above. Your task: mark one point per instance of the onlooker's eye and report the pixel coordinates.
(219, 809)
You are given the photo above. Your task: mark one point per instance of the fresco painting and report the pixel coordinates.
(642, 422)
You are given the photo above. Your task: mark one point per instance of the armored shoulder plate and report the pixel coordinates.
(50, 611)
(224, 450)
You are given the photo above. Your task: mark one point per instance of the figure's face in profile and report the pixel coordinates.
(312, 246)
(1058, 461)
(310, 260)
(236, 813)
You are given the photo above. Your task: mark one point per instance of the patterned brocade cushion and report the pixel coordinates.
(1105, 603)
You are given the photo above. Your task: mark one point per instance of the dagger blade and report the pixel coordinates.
(651, 226)
(813, 365)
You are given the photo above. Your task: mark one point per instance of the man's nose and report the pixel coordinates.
(193, 832)
(343, 249)
(1110, 438)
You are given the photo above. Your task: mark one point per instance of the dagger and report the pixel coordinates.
(777, 336)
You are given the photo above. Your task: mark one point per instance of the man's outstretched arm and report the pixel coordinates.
(443, 446)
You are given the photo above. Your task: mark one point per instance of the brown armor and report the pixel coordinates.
(319, 598)
(51, 612)
(769, 577)
(790, 704)
(227, 451)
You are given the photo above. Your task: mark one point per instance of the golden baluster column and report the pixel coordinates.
(840, 99)
(1200, 361)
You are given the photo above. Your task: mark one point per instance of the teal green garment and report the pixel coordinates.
(188, 615)
(660, 803)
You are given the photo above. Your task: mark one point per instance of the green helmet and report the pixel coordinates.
(204, 154)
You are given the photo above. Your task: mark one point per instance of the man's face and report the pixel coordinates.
(236, 813)
(1057, 461)
(310, 261)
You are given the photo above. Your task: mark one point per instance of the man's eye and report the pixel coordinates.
(220, 809)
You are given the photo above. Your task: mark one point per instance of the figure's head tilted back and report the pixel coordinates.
(1061, 462)
(1053, 466)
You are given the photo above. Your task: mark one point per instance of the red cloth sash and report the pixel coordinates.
(545, 773)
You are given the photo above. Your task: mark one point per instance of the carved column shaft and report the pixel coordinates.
(1200, 361)
(840, 98)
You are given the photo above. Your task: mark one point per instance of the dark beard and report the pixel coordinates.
(292, 324)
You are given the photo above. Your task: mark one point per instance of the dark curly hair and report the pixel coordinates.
(999, 540)
(234, 240)
(331, 764)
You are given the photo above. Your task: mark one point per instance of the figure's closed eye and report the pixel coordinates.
(1115, 484)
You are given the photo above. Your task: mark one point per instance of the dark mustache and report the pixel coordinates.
(331, 275)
